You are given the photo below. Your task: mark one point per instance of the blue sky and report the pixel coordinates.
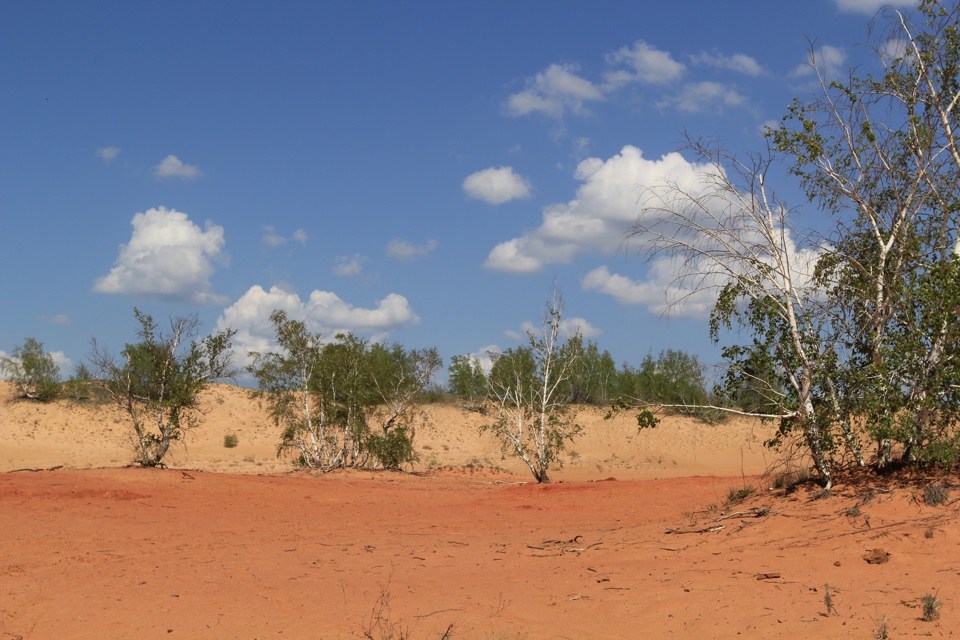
(419, 172)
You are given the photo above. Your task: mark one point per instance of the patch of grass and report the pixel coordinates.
(935, 495)
(736, 496)
(882, 632)
(930, 607)
(230, 440)
(791, 479)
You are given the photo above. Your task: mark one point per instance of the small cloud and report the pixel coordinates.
(569, 327)
(271, 238)
(828, 59)
(645, 64)
(870, 7)
(173, 167)
(703, 96)
(496, 186)
(56, 319)
(349, 266)
(108, 154)
(403, 250)
(739, 62)
(553, 92)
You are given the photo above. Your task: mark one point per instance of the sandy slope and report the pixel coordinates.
(462, 552)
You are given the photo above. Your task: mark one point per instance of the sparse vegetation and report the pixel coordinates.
(736, 496)
(930, 607)
(231, 440)
(882, 631)
(828, 598)
(935, 495)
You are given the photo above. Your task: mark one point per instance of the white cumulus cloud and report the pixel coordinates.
(323, 311)
(641, 63)
(167, 256)
(173, 167)
(595, 220)
(496, 186)
(553, 92)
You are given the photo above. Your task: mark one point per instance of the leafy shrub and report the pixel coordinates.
(230, 440)
(393, 449)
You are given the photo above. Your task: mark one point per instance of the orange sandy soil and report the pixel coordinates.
(632, 540)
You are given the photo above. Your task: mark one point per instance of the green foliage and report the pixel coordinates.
(467, 380)
(393, 449)
(230, 441)
(158, 380)
(33, 370)
(326, 395)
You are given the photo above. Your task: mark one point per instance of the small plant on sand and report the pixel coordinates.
(935, 495)
(928, 534)
(828, 598)
(230, 440)
(930, 607)
(736, 496)
(882, 632)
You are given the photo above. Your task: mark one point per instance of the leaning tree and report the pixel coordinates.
(158, 380)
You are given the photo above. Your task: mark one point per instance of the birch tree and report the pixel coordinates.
(529, 388)
(157, 381)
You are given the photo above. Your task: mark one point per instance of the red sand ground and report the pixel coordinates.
(454, 553)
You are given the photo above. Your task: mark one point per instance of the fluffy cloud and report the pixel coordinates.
(173, 167)
(167, 256)
(643, 64)
(108, 154)
(739, 62)
(605, 205)
(703, 96)
(496, 186)
(659, 292)
(323, 311)
(404, 250)
(553, 92)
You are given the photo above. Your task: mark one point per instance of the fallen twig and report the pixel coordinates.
(704, 530)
